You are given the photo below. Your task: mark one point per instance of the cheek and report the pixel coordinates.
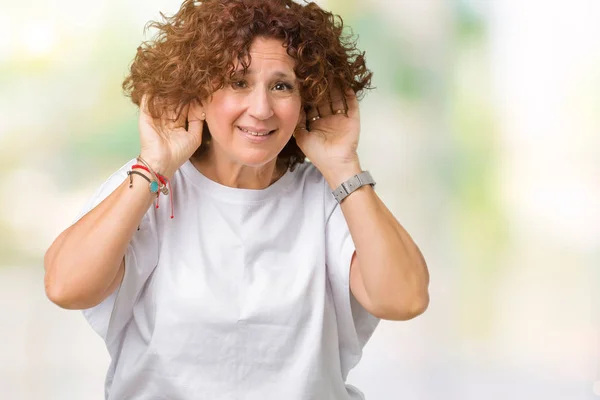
(227, 108)
(289, 115)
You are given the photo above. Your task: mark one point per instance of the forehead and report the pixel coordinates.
(269, 53)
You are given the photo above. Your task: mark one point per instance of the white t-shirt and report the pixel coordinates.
(243, 295)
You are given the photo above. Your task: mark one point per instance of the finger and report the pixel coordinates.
(338, 105)
(195, 119)
(144, 112)
(301, 119)
(312, 115)
(175, 118)
(196, 112)
(182, 115)
(160, 124)
(143, 103)
(351, 102)
(146, 117)
(324, 106)
(195, 128)
(301, 131)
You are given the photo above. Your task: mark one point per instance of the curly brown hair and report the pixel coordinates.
(195, 51)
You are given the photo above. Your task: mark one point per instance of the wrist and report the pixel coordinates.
(352, 184)
(159, 165)
(335, 175)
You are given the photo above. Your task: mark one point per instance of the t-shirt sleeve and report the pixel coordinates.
(110, 316)
(355, 324)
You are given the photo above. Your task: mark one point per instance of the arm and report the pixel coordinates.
(85, 264)
(388, 274)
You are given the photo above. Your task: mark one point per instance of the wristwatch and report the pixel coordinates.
(349, 186)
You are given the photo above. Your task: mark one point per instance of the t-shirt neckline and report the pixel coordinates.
(236, 194)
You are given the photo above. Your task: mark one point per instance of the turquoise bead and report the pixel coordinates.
(153, 187)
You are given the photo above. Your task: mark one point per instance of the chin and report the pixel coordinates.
(256, 158)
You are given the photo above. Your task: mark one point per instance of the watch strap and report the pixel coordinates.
(349, 186)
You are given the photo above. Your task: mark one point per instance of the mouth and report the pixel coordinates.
(257, 133)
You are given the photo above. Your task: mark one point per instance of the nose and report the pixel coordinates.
(260, 104)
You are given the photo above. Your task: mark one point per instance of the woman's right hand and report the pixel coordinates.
(165, 143)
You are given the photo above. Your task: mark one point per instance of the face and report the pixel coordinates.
(253, 116)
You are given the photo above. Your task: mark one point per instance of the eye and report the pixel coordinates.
(239, 84)
(279, 86)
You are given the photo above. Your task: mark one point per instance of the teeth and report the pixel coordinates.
(255, 133)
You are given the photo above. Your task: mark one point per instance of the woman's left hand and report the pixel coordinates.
(328, 135)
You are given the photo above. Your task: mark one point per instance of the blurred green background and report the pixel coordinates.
(483, 134)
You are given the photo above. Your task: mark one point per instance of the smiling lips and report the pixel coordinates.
(256, 132)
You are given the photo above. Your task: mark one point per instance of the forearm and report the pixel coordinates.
(84, 260)
(393, 270)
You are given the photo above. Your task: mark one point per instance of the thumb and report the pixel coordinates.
(195, 127)
(301, 119)
(301, 132)
(195, 119)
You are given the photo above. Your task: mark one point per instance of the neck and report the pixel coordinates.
(235, 175)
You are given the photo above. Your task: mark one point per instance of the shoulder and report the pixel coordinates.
(309, 174)
(311, 180)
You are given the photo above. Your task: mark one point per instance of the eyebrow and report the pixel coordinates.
(276, 74)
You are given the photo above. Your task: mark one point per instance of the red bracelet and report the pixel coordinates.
(161, 178)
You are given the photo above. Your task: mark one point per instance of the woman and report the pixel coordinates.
(254, 281)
